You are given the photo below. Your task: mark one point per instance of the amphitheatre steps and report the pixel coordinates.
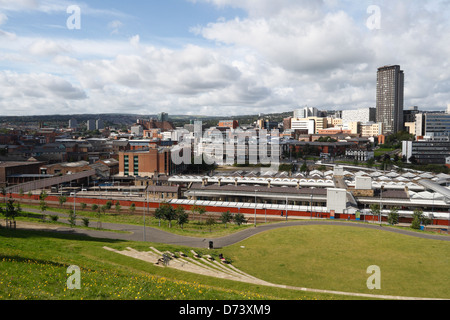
(205, 265)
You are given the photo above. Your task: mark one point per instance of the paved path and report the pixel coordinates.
(136, 233)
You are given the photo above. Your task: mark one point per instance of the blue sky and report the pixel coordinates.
(224, 57)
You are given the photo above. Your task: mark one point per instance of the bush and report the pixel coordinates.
(239, 219)
(85, 222)
(54, 218)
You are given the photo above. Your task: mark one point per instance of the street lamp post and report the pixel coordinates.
(74, 197)
(286, 208)
(146, 200)
(381, 203)
(255, 208)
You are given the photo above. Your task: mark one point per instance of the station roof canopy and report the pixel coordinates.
(436, 188)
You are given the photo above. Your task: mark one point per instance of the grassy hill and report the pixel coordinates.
(33, 265)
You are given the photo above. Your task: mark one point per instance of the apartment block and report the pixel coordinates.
(390, 96)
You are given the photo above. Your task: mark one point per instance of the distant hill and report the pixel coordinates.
(128, 119)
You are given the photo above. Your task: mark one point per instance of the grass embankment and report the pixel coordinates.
(33, 265)
(196, 227)
(336, 258)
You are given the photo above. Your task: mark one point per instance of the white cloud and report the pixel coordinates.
(282, 55)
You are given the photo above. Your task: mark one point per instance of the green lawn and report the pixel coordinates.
(382, 151)
(337, 258)
(33, 266)
(194, 228)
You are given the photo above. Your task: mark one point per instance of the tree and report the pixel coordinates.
(108, 205)
(83, 206)
(100, 211)
(239, 219)
(43, 195)
(201, 211)
(210, 221)
(375, 209)
(304, 167)
(415, 224)
(118, 207)
(132, 208)
(159, 214)
(4, 194)
(62, 200)
(11, 211)
(226, 218)
(72, 218)
(43, 206)
(182, 216)
(370, 163)
(419, 219)
(166, 212)
(393, 216)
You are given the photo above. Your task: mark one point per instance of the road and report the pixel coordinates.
(136, 233)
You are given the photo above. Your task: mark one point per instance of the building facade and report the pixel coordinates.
(433, 125)
(390, 96)
(360, 115)
(426, 152)
(147, 162)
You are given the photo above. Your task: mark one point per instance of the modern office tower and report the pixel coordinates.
(163, 117)
(390, 95)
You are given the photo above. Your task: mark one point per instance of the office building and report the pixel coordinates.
(99, 125)
(306, 113)
(433, 125)
(91, 125)
(410, 114)
(73, 124)
(163, 117)
(371, 129)
(426, 152)
(390, 95)
(360, 115)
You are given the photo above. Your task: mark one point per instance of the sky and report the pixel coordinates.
(218, 57)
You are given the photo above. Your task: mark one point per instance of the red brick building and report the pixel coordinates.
(147, 162)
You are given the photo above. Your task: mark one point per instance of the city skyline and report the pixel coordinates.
(201, 57)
